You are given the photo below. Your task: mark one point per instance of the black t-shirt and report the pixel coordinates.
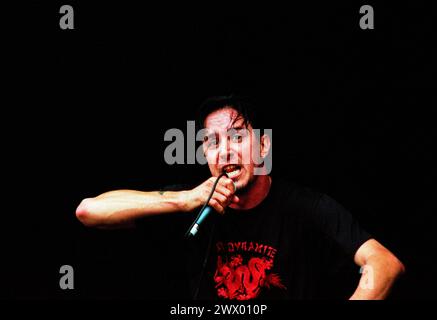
(284, 248)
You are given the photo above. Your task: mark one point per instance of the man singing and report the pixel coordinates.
(272, 239)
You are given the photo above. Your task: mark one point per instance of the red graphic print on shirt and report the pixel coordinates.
(243, 270)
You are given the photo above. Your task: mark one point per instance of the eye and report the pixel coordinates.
(237, 137)
(210, 141)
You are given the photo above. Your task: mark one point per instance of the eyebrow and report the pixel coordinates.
(238, 128)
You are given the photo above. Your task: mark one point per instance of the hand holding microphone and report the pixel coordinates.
(215, 194)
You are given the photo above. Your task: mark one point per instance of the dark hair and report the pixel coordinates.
(246, 108)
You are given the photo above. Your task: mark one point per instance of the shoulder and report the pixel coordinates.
(311, 205)
(295, 195)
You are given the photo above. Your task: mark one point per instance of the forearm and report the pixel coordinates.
(122, 207)
(379, 274)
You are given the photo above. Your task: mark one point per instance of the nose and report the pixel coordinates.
(225, 153)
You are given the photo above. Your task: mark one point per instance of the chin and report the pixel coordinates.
(242, 184)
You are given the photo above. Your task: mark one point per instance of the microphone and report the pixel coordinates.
(204, 212)
(195, 227)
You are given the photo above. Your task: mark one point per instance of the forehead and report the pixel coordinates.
(223, 119)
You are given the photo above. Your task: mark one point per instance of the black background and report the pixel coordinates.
(352, 113)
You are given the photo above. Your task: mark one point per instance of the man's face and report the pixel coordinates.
(230, 146)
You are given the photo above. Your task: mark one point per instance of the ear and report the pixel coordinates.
(204, 149)
(265, 144)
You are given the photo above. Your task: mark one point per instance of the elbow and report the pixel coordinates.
(396, 266)
(399, 267)
(84, 213)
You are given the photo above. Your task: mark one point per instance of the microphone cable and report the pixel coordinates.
(205, 262)
(211, 236)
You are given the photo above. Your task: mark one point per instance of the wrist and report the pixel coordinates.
(187, 201)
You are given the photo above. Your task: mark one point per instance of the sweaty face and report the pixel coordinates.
(230, 146)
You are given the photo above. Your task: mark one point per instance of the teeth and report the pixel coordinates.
(231, 168)
(233, 173)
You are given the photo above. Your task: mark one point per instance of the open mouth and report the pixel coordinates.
(232, 170)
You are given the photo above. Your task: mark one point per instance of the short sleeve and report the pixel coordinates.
(338, 224)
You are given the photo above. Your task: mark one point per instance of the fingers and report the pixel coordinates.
(228, 184)
(224, 181)
(217, 206)
(228, 194)
(223, 200)
(223, 194)
(224, 191)
(219, 202)
(228, 189)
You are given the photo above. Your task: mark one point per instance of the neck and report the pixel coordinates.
(253, 194)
